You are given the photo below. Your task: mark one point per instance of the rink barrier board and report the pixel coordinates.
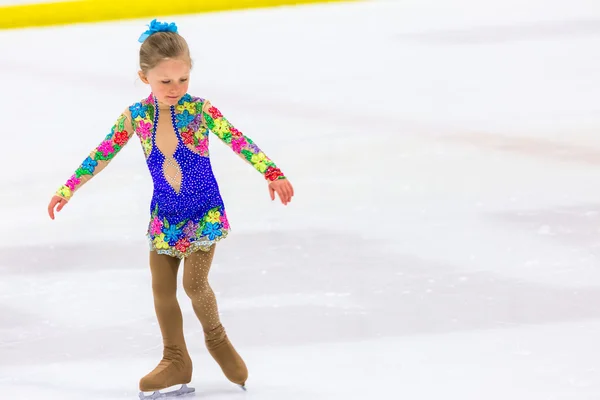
(89, 11)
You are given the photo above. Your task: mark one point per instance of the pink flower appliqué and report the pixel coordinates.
(106, 148)
(203, 146)
(224, 220)
(144, 129)
(238, 144)
(72, 182)
(156, 226)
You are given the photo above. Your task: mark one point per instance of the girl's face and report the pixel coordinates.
(169, 80)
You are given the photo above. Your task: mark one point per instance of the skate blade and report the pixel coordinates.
(184, 390)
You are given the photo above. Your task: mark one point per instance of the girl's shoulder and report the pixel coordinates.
(187, 98)
(191, 104)
(144, 108)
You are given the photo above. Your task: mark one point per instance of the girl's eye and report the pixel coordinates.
(181, 80)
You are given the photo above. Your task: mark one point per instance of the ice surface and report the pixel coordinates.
(442, 243)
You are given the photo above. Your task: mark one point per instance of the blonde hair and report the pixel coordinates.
(160, 46)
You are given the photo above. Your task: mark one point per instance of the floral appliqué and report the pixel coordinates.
(187, 235)
(239, 143)
(98, 158)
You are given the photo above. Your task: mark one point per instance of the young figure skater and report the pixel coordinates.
(187, 215)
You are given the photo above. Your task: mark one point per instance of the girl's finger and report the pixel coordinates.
(286, 194)
(272, 193)
(51, 209)
(281, 194)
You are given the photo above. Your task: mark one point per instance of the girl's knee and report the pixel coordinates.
(196, 288)
(163, 289)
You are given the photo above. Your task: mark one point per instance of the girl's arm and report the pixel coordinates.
(99, 157)
(239, 143)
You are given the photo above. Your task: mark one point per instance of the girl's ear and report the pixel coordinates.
(143, 77)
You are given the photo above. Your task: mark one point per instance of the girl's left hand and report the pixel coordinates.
(283, 188)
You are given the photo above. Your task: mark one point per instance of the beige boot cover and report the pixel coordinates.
(195, 283)
(176, 366)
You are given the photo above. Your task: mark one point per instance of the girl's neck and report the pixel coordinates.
(161, 106)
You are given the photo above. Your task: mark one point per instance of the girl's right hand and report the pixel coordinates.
(56, 200)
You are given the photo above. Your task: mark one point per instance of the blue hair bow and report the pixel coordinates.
(156, 26)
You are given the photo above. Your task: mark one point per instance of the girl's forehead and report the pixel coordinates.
(172, 67)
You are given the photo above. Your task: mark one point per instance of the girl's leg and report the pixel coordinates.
(195, 283)
(176, 366)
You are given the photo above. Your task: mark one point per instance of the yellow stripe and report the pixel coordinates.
(62, 13)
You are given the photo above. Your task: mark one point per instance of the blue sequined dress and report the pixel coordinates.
(187, 212)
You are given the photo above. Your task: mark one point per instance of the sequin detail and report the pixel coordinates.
(195, 283)
(193, 217)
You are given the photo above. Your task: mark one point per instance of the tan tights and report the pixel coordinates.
(176, 365)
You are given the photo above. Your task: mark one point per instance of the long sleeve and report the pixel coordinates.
(99, 157)
(239, 143)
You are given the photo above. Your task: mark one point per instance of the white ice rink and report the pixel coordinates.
(443, 243)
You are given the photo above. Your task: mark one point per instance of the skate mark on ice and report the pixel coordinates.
(529, 147)
(576, 226)
(48, 259)
(343, 286)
